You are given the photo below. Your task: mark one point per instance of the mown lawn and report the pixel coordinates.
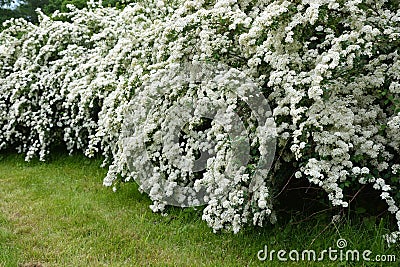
(58, 213)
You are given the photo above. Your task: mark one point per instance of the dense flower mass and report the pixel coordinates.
(330, 70)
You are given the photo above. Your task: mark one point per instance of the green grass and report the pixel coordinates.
(58, 213)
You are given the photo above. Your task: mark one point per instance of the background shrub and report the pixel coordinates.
(329, 70)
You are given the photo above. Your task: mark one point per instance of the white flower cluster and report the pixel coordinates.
(330, 70)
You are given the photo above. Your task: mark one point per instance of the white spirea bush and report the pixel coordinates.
(330, 70)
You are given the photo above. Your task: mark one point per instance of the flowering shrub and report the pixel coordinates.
(329, 69)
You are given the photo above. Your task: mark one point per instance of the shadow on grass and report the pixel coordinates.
(58, 213)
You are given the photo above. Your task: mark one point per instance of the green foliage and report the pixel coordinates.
(6, 14)
(61, 5)
(26, 9)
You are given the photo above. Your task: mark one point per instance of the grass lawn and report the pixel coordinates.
(58, 213)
